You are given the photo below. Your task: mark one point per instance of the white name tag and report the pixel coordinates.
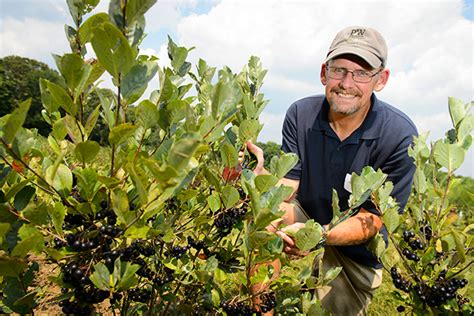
(347, 183)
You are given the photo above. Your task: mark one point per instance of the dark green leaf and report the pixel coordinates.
(87, 28)
(15, 121)
(61, 98)
(86, 151)
(182, 151)
(229, 155)
(23, 197)
(230, 196)
(12, 267)
(264, 182)
(136, 80)
(112, 49)
(147, 114)
(120, 133)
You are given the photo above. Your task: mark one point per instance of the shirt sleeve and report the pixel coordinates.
(290, 140)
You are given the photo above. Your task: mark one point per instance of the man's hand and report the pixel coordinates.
(290, 245)
(258, 152)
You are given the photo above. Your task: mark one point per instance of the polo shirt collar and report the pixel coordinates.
(371, 127)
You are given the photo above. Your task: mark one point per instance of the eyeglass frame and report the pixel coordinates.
(352, 73)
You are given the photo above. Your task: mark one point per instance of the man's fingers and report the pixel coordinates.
(287, 239)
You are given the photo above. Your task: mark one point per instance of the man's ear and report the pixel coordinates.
(322, 75)
(382, 80)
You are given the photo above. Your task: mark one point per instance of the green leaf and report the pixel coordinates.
(37, 213)
(112, 49)
(330, 275)
(182, 151)
(264, 182)
(419, 181)
(87, 28)
(87, 151)
(59, 129)
(457, 110)
(177, 54)
(377, 245)
(60, 179)
(101, 277)
(77, 8)
(4, 228)
(364, 184)
(230, 196)
(12, 267)
(136, 80)
(336, 210)
(147, 114)
(229, 155)
(225, 95)
(460, 244)
(308, 236)
(139, 180)
(75, 72)
(137, 8)
(120, 133)
(46, 98)
(249, 129)
(120, 205)
(391, 219)
(15, 121)
(214, 202)
(31, 241)
(450, 156)
(279, 166)
(23, 197)
(464, 131)
(61, 98)
(74, 128)
(127, 277)
(92, 120)
(57, 212)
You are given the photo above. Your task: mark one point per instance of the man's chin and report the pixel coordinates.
(344, 109)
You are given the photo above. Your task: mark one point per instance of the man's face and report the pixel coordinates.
(345, 96)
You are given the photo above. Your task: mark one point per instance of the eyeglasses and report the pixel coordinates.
(360, 76)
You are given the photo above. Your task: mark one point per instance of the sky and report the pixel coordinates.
(430, 44)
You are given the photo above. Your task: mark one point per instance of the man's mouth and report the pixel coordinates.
(346, 95)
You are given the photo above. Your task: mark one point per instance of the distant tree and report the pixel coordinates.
(270, 149)
(19, 80)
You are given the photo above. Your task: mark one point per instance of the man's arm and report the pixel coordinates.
(355, 230)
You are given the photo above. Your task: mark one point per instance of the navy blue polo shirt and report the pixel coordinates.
(381, 141)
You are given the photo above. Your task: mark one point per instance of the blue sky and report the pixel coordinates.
(430, 45)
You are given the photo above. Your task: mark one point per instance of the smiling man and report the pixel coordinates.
(335, 135)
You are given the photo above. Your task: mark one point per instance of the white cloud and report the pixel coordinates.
(272, 124)
(32, 38)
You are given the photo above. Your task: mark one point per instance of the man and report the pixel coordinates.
(337, 134)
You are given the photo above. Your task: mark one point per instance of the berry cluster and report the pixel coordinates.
(196, 244)
(399, 282)
(414, 243)
(410, 255)
(426, 230)
(268, 302)
(84, 293)
(139, 295)
(441, 291)
(237, 309)
(75, 308)
(225, 221)
(177, 251)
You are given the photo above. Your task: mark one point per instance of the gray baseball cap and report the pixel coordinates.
(364, 42)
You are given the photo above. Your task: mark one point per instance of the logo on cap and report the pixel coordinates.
(357, 32)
